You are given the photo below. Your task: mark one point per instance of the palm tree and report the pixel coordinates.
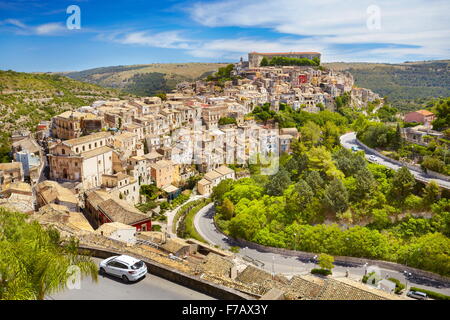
(34, 261)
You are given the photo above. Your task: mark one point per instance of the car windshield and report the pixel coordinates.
(137, 265)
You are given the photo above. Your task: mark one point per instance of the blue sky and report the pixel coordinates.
(34, 36)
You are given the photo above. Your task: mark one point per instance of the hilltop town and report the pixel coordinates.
(115, 173)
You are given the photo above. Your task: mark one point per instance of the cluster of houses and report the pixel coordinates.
(97, 157)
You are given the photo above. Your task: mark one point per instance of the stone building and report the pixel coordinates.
(48, 192)
(83, 159)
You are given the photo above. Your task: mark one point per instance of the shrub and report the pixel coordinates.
(323, 272)
(367, 276)
(432, 294)
(235, 249)
(398, 285)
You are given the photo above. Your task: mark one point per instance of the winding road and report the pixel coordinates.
(291, 265)
(348, 141)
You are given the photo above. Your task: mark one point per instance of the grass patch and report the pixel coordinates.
(432, 294)
(186, 228)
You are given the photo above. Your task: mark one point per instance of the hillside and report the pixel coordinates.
(27, 98)
(407, 85)
(145, 79)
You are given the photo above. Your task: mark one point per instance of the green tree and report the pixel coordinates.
(162, 96)
(227, 209)
(35, 262)
(219, 191)
(319, 158)
(264, 62)
(326, 261)
(403, 183)
(278, 183)
(431, 193)
(311, 134)
(150, 191)
(298, 197)
(433, 164)
(336, 196)
(397, 141)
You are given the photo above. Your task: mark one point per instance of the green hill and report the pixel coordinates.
(407, 85)
(145, 79)
(28, 98)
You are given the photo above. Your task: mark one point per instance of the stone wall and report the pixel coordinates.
(343, 259)
(192, 282)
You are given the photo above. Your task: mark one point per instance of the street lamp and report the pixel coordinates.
(273, 266)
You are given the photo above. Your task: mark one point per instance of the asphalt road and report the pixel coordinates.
(348, 141)
(290, 265)
(111, 288)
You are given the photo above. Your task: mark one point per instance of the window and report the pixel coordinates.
(83, 148)
(76, 150)
(63, 151)
(95, 144)
(121, 265)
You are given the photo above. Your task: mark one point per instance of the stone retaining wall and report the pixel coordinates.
(343, 259)
(194, 283)
(338, 259)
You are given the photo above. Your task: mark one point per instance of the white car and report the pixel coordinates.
(125, 267)
(372, 158)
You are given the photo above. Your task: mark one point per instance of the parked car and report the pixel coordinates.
(355, 149)
(372, 158)
(417, 295)
(125, 267)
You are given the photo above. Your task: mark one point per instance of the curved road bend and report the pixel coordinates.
(290, 265)
(110, 288)
(348, 141)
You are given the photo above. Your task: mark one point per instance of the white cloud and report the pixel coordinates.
(20, 28)
(167, 39)
(326, 23)
(49, 29)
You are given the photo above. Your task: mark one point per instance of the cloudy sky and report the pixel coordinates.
(34, 35)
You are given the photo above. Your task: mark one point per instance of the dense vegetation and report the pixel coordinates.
(222, 75)
(284, 61)
(387, 138)
(148, 84)
(34, 261)
(407, 86)
(327, 199)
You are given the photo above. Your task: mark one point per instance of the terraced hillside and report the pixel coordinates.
(26, 99)
(145, 79)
